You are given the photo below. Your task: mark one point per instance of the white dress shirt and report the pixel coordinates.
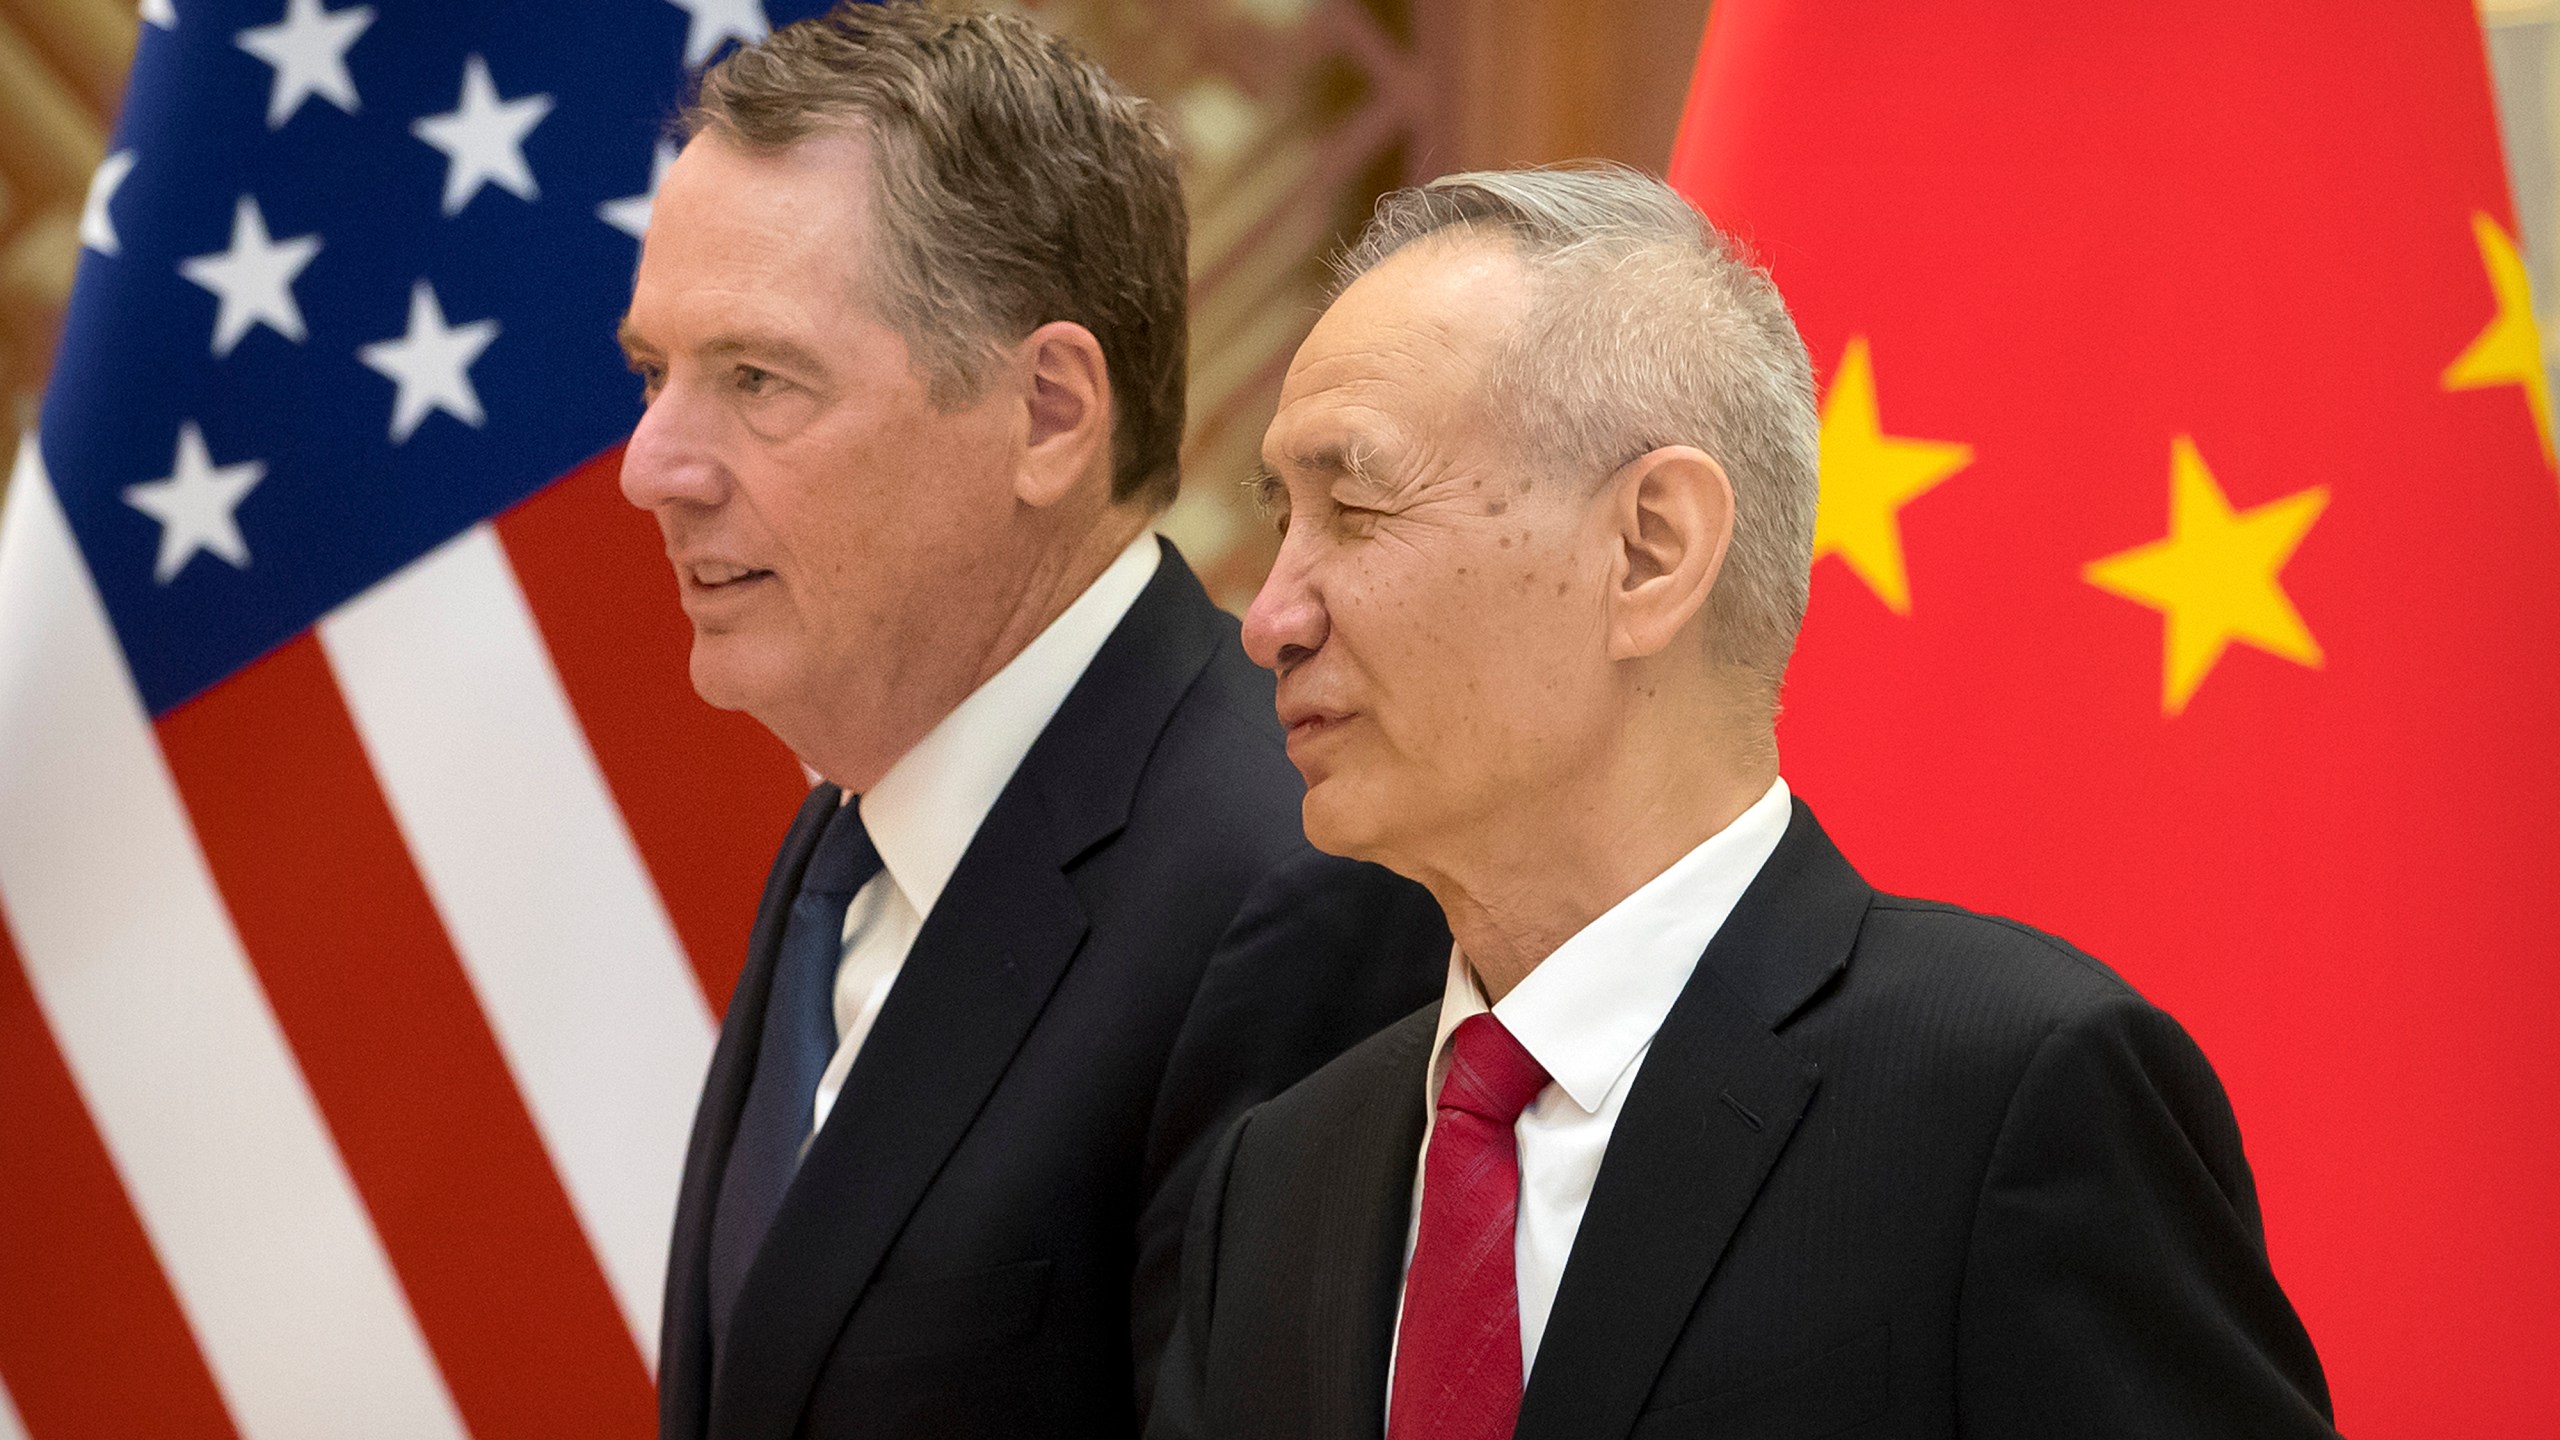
(923, 814)
(1588, 1014)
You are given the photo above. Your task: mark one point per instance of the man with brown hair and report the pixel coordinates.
(910, 321)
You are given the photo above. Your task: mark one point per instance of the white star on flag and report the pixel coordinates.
(483, 139)
(160, 13)
(196, 505)
(431, 365)
(254, 278)
(97, 227)
(308, 49)
(630, 214)
(716, 20)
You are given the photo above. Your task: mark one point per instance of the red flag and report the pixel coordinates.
(2188, 583)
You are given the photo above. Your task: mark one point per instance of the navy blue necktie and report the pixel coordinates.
(798, 1040)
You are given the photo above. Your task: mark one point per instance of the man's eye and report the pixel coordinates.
(1270, 500)
(653, 378)
(1357, 519)
(754, 381)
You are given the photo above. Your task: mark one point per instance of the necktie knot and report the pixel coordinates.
(844, 859)
(1492, 1076)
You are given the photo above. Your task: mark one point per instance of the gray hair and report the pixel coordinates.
(1647, 327)
(1020, 185)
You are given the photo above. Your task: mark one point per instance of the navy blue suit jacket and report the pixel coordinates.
(984, 1238)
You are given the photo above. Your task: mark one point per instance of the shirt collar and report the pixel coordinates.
(1588, 1011)
(925, 811)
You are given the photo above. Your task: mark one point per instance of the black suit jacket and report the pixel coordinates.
(1889, 1169)
(983, 1239)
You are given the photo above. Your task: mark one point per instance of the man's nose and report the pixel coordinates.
(1287, 621)
(670, 459)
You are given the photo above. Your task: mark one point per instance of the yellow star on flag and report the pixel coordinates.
(2215, 576)
(2509, 350)
(1868, 476)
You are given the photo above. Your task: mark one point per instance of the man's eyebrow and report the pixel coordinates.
(775, 347)
(1353, 461)
(785, 351)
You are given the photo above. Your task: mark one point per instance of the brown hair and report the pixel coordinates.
(1017, 185)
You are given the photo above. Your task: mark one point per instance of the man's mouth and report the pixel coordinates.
(1312, 722)
(719, 574)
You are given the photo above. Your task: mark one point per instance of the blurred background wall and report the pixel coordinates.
(62, 66)
(1296, 114)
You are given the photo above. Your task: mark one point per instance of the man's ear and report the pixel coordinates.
(1673, 512)
(1067, 387)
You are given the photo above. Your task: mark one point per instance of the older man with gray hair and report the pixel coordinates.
(1706, 1137)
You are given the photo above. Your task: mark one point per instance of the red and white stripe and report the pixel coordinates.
(351, 1016)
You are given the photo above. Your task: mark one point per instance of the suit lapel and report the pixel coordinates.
(1713, 1107)
(685, 1343)
(988, 956)
(1373, 1171)
(982, 969)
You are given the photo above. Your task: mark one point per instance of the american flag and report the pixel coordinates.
(370, 879)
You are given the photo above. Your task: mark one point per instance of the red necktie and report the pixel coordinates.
(1458, 1346)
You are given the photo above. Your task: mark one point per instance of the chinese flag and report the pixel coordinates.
(2188, 584)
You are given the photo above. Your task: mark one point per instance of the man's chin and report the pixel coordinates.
(723, 677)
(1339, 824)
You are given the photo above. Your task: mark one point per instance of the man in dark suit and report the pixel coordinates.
(910, 321)
(1705, 1137)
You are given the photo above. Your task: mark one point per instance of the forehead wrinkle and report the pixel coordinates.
(1382, 425)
